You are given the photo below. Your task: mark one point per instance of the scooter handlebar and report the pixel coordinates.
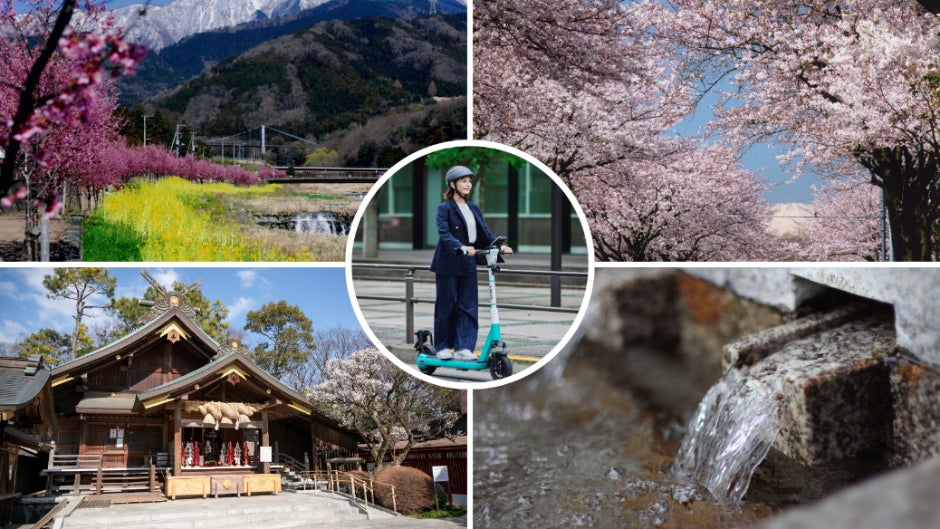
(495, 246)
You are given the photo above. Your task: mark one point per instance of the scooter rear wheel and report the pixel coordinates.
(427, 351)
(500, 367)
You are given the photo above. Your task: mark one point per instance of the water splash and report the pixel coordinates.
(729, 435)
(321, 222)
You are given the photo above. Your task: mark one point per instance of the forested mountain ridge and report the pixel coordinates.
(166, 68)
(159, 26)
(326, 78)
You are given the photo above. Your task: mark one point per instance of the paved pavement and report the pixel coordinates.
(284, 511)
(529, 334)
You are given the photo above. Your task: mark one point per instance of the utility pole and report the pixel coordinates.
(145, 127)
(262, 141)
(176, 139)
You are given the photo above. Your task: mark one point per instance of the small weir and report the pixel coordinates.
(319, 222)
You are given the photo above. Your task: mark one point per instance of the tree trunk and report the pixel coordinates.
(908, 180)
(73, 346)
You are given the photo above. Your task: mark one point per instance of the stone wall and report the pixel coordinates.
(911, 291)
(70, 243)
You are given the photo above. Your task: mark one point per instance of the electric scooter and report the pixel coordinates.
(494, 355)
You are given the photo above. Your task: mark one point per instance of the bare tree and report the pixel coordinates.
(335, 342)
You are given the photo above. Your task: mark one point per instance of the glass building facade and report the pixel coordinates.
(516, 202)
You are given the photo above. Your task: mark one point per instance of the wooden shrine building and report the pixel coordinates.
(204, 414)
(27, 427)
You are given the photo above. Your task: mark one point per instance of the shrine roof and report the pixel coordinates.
(21, 380)
(214, 367)
(107, 403)
(137, 335)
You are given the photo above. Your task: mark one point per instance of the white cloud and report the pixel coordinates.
(166, 277)
(250, 278)
(11, 331)
(42, 312)
(10, 290)
(32, 279)
(238, 309)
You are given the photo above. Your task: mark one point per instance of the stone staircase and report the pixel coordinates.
(292, 480)
(283, 511)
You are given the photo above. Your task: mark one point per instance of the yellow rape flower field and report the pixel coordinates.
(172, 219)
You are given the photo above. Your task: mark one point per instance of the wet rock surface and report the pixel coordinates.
(834, 391)
(904, 499)
(757, 346)
(915, 393)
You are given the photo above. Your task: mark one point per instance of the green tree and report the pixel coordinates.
(210, 315)
(54, 346)
(159, 130)
(80, 285)
(322, 157)
(479, 159)
(289, 333)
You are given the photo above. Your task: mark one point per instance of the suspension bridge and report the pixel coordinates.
(253, 143)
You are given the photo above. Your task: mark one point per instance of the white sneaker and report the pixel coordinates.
(464, 354)
(445, 355)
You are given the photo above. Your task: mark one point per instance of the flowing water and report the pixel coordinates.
(582, 449)
(729, 436)
(320, 222)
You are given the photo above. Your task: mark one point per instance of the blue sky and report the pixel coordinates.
(319, 292)
(760, 158)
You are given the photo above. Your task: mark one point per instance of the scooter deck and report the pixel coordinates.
(455, 364)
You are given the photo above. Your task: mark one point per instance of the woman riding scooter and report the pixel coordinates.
(462, 230)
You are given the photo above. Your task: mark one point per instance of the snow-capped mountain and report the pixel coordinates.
(162, 26)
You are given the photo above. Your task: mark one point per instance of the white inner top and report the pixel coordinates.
(471, 222)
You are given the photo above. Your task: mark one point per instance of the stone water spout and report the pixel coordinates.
(816, 393)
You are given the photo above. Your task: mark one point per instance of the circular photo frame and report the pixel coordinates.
(470, 264)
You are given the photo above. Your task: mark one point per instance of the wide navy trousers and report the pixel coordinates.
(455, 312)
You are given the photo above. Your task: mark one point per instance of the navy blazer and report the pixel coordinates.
(452, 230)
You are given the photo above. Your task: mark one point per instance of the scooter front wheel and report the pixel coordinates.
(427, 351)
(500, 367)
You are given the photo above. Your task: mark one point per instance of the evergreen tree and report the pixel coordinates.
(80, 285)
(289, 333)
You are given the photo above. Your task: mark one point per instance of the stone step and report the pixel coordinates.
(284, 511)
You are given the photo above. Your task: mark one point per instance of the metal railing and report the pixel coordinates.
(338, 482)
(410, 300)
